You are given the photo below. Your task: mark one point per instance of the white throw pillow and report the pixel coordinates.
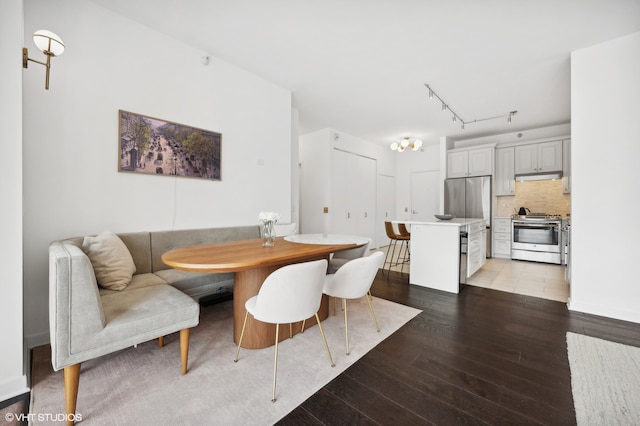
(111, 260)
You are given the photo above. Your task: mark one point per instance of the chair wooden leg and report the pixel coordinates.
(244, 324)
(373, 315)
(303, 324)
(71, 381)
(275, 366)
(160, 341)
(184, 348)
(326, 345)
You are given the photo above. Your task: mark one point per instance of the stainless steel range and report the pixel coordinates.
(537, 237)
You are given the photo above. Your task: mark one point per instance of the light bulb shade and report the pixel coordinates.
(404, 143)
(416, 144)
(48, 42)
(401, 148)
(394, 146)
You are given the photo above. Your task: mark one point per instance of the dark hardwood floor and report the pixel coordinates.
(479, 357)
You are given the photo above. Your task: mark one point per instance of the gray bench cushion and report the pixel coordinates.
(198, 285)
(138, 281)
(135, 316)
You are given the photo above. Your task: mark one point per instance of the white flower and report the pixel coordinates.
(269, 216)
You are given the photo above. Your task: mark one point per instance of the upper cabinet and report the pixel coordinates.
(538, 158)
(470, 162)
(504, 179)
(566, 166)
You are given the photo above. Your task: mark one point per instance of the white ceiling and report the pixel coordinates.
(359, 66)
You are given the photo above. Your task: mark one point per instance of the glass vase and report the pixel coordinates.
(268, 233)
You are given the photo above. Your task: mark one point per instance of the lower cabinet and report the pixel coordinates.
(502, 237)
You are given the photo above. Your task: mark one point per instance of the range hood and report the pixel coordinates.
(539, 176)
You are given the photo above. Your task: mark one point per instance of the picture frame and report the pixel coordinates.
(150, 145)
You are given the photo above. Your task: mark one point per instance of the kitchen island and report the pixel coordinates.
(444, 253)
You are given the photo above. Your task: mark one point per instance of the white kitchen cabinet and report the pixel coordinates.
(476, 249)
(505, 171)
(566, 166)
(502, 237)
(470, 162)
(538, 158)
(436, 253)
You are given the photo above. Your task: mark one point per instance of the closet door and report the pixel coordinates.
(353, 194)
(365, 194)
(341, 209)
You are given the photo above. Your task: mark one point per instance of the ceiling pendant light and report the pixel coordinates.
(406, 142)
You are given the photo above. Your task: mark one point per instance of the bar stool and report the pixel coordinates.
(404, 232)
(393, 239)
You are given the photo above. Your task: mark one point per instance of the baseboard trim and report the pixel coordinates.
(589, 308)
(37, 339)
(13, 387)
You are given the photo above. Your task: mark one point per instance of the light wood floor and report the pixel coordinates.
(535, 279)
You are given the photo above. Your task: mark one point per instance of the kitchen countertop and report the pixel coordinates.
(458, 221)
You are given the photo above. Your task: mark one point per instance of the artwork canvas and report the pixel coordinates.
(153, 146)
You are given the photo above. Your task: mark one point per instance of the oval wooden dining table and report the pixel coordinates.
(252, 263)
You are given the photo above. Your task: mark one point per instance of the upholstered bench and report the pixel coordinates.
(109, 292)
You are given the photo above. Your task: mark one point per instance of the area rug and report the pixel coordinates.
(605, 381)
(143, 385)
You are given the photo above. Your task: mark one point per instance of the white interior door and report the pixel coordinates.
(425, 195)
(386, 207)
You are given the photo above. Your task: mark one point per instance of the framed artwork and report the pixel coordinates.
(159, 147)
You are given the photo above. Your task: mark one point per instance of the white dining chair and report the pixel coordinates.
(339, 258)
(353, 281)
(290, 294)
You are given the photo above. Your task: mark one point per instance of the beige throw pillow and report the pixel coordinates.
(111, 260)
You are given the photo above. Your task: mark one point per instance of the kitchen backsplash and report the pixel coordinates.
(539, 196)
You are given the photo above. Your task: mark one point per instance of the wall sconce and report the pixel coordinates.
(50, 44)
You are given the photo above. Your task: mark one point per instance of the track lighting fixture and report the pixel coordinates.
(456, 117)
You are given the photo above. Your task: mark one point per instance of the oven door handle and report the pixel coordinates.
(535, 225)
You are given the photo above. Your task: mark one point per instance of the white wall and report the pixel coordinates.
(72, 186)
(315, 155)
(605, 144)
(13, 379)
(425, 159)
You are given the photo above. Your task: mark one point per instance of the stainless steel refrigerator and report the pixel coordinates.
(470, 197)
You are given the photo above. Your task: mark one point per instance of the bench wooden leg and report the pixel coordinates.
(160, 341)
(184, 348)
(71, 381)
